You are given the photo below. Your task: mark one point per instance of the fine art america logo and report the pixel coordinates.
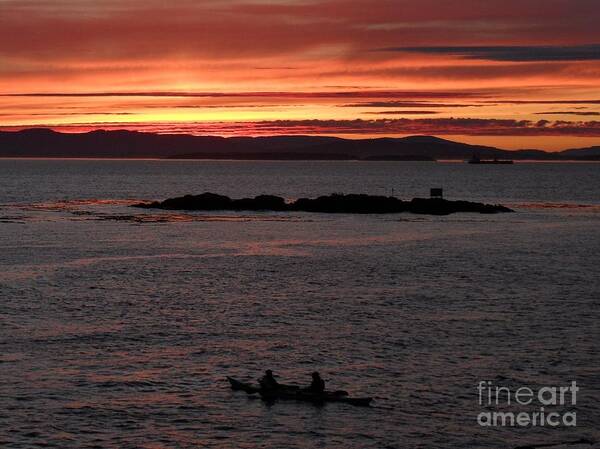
(546, 406)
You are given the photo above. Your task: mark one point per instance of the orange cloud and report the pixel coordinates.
(147, 63)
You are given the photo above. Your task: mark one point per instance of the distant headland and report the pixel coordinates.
(335, 203)
(43, 142)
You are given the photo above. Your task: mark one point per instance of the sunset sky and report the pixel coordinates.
(510, 73)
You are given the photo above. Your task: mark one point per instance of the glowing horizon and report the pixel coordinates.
(512, 74)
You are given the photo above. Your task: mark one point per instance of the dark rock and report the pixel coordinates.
(335, 203)
(261, 202)
(350, 204)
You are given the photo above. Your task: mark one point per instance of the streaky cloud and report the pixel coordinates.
(382, 126)
(263, 94)
(408, 104)
(584, 113)
(409, 112)
(542, 101)
(525, 53)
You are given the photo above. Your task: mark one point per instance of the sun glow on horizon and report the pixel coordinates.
(504, 73)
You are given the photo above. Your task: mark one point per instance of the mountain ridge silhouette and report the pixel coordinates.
(45, 142)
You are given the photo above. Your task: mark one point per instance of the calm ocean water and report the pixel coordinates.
(118, 326)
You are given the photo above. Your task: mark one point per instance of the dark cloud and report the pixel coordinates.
(410, 112)
(588, 113)
(62, 114)
(526, 53)
(400, 126)
(438, 126)
(217, 106)
(407, 104)
(543, 101)
(316, 94)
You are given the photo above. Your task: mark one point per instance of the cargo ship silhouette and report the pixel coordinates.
(477, 160)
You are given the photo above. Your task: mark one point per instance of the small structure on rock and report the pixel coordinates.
(436, 193)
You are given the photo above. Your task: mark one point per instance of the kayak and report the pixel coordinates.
(293, 392)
